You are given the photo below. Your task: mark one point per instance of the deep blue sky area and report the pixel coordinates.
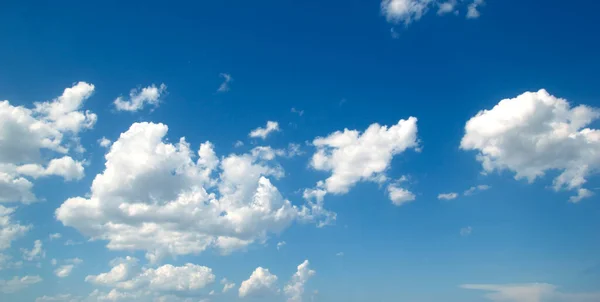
(345, 66)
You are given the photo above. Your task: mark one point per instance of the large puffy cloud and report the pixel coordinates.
(260, 284)
(154, 196)
(50, 128)
(295, 288)
(127, 279)
(534, 292)
(139, 98)
(18, 283)
(535, 133)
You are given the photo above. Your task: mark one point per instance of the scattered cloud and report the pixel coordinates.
(138, 99)
(54, 236)
(65, 270)
(297, 111)
(400, 196)
(473, 190)
(18, 283)
(59, 298)
(9, 230)
(280, 244)
(104, 142)
(447, 196)
(36, 253)
(295, 287)
(447, 7)
(264, 132)
(227, 79)
(49, 128)
(466, 231)
(473, 9)
(408, 11)
(340, 254)
(534, 292)
(535, 133)
(227, 286)
(260, 284)
(581, 194)
(238, 144)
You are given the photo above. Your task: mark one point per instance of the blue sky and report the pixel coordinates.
(504, 108)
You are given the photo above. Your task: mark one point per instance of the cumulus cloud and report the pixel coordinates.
(227, 286)
(51, 128)
(295, 287)
(65, 270)
(533, 134)
(138, 99)
(158, 197)
(534, 292)
(9, 230)
(104, 142)
(18, 283)
(408, 11)
(264, 132)
(126, 277)
(260, 284)
(447, 196)
(227, 79)
(400, 196)
(36, 253)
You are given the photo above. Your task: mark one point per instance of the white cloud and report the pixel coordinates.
(9, 230)
(297, 111)
(447, 196)
(295, 288)
(264, 132)
(534, 292)
(139, 98)
(54, 236)
(128, 278)
(280, 244)
(65, 270)
(447, 7)
(260, 284)
(581, 194)
(466, 231)
(400, 196)
(50, 127)
(473, 11)
(238, 144)
(104, 142)
(157, 197)
(18, 283)
(36, 253)
(53, 262)
(340, 254)
(473, 190)
(5, 262)
(227, 286)
(227, 79)
(352, 156)
(58, 298)
(533, 134)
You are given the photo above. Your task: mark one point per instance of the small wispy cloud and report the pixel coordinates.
(473, 190)
(466, 231)
(225, 86)
(297, 111)
(447, 196)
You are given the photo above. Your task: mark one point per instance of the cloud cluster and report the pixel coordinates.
(260, 284)
(408, 11)
(158, 197)
(295, 288)
(18, 283)
(49, 128)
(534, 292)
(535, 133)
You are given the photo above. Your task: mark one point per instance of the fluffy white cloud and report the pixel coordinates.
(227, 79)
(155, 196)
(534, 292)
(264, 132)
(407, 11)
(139, 98)
(535, 133)
(36, 253)
(18, 283)
(295, 288)
(127, 277)
(260, 284)
(50, 127)
(104, 142)
(447, 196)
(581, 194)
(227, 286)
(352, 156)
(400, 196)
(10, 230)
